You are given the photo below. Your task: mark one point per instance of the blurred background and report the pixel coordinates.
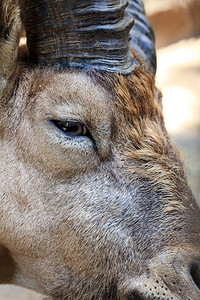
(176, 24)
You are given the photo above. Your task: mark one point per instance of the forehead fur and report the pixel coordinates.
(135, 95)
(149, 152)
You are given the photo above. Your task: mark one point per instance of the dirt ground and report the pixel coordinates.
(178, 76)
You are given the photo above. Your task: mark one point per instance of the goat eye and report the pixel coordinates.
(71, 128)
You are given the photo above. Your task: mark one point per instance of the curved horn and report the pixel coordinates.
(79, 34)
(142, 36)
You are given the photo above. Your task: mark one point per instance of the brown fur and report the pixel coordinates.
(10, 31)
(104, 218)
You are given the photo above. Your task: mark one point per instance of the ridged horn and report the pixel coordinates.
(142, 36)
(80, 34)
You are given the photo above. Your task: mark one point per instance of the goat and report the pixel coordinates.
(95, 203)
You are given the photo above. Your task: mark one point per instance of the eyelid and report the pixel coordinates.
(89, 135)
(61, 123)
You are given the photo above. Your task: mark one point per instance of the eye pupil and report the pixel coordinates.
(71, 128)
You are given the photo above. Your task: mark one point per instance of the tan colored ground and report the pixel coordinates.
(179, 77)
(173, 20)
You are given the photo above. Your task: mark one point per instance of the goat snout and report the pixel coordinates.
(172, 275)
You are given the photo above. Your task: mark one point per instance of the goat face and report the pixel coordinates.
(94, 200)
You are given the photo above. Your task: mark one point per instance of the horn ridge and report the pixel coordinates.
(88, 34)
(142, 36)
(104, 9)
(79, 34)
